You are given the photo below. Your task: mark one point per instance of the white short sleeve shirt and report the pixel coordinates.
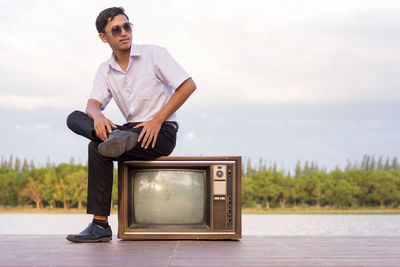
(146, 86)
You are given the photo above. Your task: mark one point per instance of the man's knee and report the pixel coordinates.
(73, 117)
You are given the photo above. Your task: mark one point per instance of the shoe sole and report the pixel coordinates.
(117, 146)
(76, 240)
(131, 141)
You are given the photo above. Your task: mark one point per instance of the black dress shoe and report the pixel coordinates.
(117, 143)
(92, 233)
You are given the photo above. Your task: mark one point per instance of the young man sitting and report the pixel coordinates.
(148, 86)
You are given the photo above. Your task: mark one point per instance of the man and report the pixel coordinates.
(148, 86)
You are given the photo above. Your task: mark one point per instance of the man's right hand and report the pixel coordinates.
(103, 127)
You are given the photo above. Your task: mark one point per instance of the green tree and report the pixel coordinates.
(262, 166)
(344, 193)
(395, 164)
(282, 187)
(248, 197)
(359, 178)
(317, 186)
(249, 168)
(17, 164)
(307, 169)
(294, 190)
(34, 191)
(50, 181)
(77, 181)
(297, 170)
(300, 185)
(64, 191)
(3, 163)
(382, 186)
(10, 162)
(25, 166)
(380, 164)
(264, 189)
(11, 184)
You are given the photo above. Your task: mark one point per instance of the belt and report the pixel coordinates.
(172, 124)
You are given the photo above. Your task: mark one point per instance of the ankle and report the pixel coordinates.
(100, 217)
(102, 223)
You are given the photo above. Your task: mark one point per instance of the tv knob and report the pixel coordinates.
(220, 173)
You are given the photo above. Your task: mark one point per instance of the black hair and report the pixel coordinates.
(102, 18)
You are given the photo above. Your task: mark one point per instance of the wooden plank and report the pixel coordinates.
(54, 250)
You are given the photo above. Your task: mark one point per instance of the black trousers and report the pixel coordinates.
(100, 168)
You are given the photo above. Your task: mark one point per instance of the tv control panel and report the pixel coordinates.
(221, 176)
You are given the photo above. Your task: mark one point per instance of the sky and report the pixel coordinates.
(279, 80)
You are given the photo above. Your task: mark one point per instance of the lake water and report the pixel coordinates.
(252, 224)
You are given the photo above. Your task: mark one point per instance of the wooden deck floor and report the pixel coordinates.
(54, 250)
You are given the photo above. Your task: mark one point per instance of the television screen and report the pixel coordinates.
(169, 197)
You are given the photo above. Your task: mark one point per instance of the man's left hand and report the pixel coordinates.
(148, 135)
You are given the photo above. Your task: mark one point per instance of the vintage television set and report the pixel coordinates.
(180, 198)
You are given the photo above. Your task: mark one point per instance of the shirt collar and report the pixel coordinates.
(135, 50)
(112, 63)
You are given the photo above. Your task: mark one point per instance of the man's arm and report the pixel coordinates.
(151, 128)
(102, 125)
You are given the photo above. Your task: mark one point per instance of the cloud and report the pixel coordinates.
(191, 136)
(32, 128)
(28, 103)
(237, 52)
(305, 60)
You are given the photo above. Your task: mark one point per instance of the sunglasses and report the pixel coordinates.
(116, 31)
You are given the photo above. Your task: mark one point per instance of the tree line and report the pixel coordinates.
(368, 183)
(63, 185)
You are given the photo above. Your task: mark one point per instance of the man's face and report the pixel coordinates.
(117, 42)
